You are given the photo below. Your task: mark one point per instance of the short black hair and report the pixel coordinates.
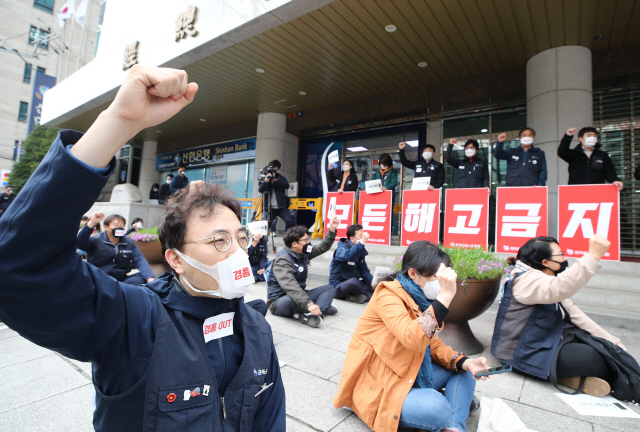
(276, 163)
(535, 250)
(526, 129)
(294, 234)
(107, 221)
(353, 229)
(155, 185)
(170, 175)
(587, 129)
(84, 218)
(182, 166)
(424, 257)
(8, 186)
(473, 143)
(136, 220)
(431, 147)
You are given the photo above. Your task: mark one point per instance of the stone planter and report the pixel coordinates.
(470, 301)
(152, 252)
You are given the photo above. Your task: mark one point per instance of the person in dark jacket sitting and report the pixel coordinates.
(347, 179)
(536, 308)
(156, 350)
(425, 166)
(180, 181)
(112, 251)
(526, 164)
(136, 226)
(165, 190)
(275, 186)
(473, 171)
(350, 275)
(587, 163)
(153, 193)
(258, 256)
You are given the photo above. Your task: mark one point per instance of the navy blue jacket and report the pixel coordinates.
(114, 260)
(422, 168)
(523, 169)
(258, 254)
(178, 183)
(348, 262)
(279, 185)
(56, 300)
(472, 173)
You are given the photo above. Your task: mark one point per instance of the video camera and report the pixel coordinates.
(269, 169)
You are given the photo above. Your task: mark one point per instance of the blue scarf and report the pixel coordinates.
(425, 373)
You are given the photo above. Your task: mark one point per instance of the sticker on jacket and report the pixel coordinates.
(218, 326)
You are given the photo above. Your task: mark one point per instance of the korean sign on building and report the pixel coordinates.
(521, 214)
(43, 83)
(233, 150)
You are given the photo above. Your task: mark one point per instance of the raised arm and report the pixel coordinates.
(499, 152)
(454, 162)
(564, 149)
(403, 158)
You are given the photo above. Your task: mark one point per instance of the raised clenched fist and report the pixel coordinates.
(402, 145)
(364, 238)
(453, 141)
(95, 219)
(571, 131)
(502, 137)
(598, 246)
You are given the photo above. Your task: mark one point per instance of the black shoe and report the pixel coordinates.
(475, 404)
(331, 310)
(312, 321)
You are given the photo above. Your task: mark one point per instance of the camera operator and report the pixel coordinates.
(275, 186)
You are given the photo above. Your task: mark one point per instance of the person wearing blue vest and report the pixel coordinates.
(526, 164)
(183, 352)
(349, 274)
(112, 251)
(536, 308)
(287, 293)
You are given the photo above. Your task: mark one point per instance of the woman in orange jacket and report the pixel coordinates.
(396, 363)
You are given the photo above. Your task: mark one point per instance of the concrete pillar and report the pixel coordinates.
(559, 96)
(434, 137)
(148, 173)
(273, 142)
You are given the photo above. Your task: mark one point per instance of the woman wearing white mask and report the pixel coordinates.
(473, 171)
(396, 364)
(425, 166)
(526, 164)
(588, 164)
(347, 180)
(386, 173)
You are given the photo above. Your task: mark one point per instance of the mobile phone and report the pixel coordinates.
(492, 371)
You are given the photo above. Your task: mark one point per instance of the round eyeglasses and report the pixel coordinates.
(222, 240)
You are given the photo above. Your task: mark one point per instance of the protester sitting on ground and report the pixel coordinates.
(350, 275)
(153, 193)
(136, 226)
(164, 193)
(347, 179)
(287, 295)
(180, 181)
(396, 365)
(473, 171)
(386, 172)
(536, 307)
(425, 166)
(258, 256)
(112, 251)
(156, 350)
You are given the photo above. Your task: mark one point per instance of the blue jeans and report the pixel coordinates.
(428, 409)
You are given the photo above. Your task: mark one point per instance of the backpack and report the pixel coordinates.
(626, 384)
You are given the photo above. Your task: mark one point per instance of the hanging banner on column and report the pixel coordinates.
(375, 216)
(420, 216)
(586, 210)
(343, 211)
(466, 218)
(43, 83)
(521, 214)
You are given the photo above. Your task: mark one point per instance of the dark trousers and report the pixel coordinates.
(258, 277)
(322, 296)
(353, 287)
(135, 279)
(258, 306)
(284, 214)
(578, 359)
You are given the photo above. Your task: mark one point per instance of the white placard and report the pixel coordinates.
(218, 326)
(380, 273)
(259, 227)
(373, 186)
(604, 406)
(331, 212)
(334, 156)
(218, 174)
(292, 192)
(420, 183)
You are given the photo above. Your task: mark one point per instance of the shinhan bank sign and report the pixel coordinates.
(229, 151)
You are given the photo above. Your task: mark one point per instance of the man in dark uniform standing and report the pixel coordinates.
(180, 181)
(425, 166)
(526, 164)
(6, 198)
(587, 163)
(473, 172)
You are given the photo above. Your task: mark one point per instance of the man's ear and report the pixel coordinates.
(174, 261)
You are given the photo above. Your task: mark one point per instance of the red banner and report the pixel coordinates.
(466, 218)
(375, 216)
(521, 214)
(344, 211)
(586, 210)
(420, 216)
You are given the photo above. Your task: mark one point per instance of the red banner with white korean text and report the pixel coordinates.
(466, 218)
(586, 210)
(521, 214)
(420, 216)
(375, 216)
(344, 211)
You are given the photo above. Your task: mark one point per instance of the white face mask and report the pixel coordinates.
(169, 181)
(232, 274)
(590, 141)
(427, 155)
(431, 289)
(138, 225)
(346, 167)
(526, 140)
(469, 152)
(383, 167)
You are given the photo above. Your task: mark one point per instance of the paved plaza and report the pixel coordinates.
(43, 391)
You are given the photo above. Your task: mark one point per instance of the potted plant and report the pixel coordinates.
(479, 274)
(148, 242)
